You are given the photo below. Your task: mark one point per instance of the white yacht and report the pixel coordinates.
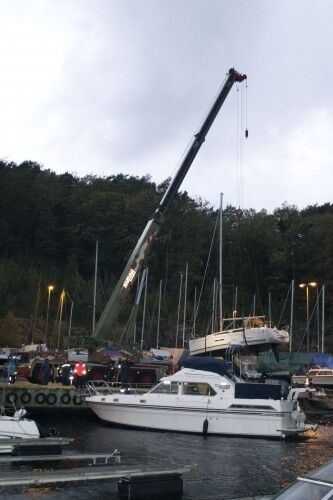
(16, 427)
(254, 333)
(205, 397)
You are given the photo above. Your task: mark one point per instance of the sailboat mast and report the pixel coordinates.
(144, 310)
(159, 315)
(291, 314)
(95, 289)
(178, 310)
(70, 319)
(323, 319)
(213, 306)
(62, 299)
(234, 313)
(318, 320)
(220, 266)
(194, 310)
(185, 297)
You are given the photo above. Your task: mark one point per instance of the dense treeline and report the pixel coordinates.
(49, 225)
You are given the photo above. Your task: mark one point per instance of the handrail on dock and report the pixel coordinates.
(96, 458)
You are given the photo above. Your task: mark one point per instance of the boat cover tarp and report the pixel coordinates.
(257, 391)
(284, 362)
(207, 364)
(323, 360)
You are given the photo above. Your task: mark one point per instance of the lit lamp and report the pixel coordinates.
(50, 288)
(312, 284)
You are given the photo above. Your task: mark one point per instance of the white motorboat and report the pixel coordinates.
(206, 397)
(16, 427)
(322, 377)
(254, 333)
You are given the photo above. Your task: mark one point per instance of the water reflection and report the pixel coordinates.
(226, 467)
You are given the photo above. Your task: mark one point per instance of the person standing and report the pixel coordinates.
(11, 370)
(80, 372)
(46, 370)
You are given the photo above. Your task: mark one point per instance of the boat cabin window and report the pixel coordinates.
(166, 387)
(198, 389)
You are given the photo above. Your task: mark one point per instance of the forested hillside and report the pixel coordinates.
(49, 225)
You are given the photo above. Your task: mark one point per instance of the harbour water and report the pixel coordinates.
(225, 467)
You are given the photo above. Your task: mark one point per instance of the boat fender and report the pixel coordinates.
(77, 399)
(12, 397)
(51, 398)
(65, 398)
(25, 398)
(40, 398)
(205, 427)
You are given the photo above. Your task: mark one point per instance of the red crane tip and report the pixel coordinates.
(238, 77)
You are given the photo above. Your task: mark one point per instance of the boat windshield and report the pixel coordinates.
(166, 387)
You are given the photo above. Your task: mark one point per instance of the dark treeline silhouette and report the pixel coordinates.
(50, 222)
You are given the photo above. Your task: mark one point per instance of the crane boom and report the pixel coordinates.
(103, 328)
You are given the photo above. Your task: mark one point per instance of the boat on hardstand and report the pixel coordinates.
(253, 333)
(206, 396)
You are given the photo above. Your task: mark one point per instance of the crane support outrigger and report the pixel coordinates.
(103, 328)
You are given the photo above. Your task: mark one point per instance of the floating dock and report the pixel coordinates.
(133, 482)
(47, 445)
(84, 474)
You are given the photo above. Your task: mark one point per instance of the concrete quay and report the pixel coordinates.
(34, 396)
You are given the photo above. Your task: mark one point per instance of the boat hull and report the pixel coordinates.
(11, 427)
(252, 337)
(250, 424)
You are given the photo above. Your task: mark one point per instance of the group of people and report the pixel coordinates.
(44, 372)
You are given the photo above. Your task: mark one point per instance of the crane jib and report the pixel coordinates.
(109, 315)
(199, 138)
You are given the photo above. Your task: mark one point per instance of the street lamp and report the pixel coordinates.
(312, 284)
(50, 288)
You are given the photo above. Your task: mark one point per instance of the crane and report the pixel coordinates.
(110, 313)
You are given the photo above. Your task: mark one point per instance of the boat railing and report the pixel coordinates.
(98, 387)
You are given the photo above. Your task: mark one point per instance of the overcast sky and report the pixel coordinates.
(109, 86)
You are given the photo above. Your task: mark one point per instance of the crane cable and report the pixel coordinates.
(241, 134)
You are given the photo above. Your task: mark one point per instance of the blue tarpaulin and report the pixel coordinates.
(323, 360)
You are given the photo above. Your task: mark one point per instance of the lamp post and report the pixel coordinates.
(50, 288)
(312, 284)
